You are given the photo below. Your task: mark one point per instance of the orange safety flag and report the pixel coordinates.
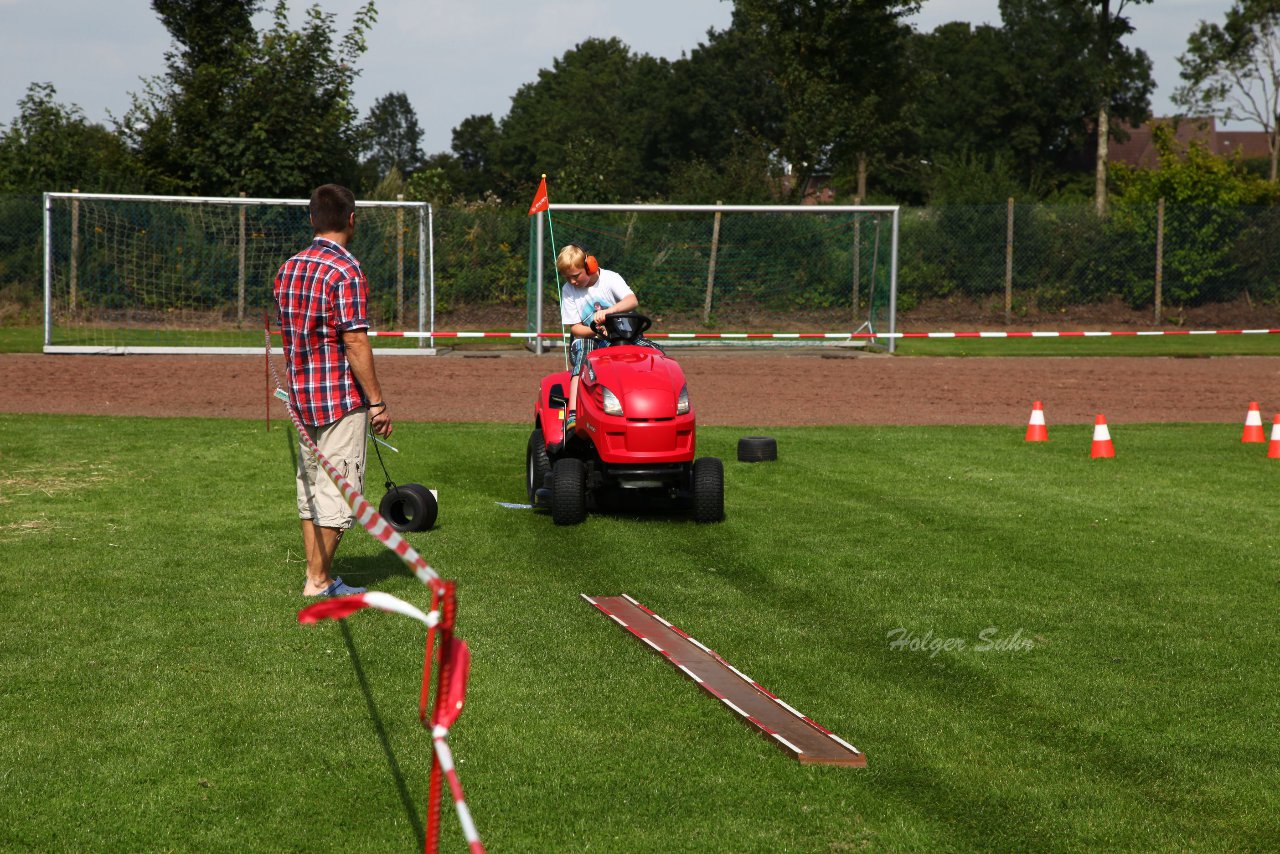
(540, 200)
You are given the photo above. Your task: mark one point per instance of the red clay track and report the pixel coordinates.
(740, 389)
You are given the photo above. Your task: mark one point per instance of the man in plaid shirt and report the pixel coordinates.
(323, 297)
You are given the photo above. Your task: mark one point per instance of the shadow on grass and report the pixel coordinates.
(365, 570)
(375, 716)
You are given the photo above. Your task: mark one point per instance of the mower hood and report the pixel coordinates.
(645, 381)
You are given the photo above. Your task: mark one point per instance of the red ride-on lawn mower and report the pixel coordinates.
(634, 439)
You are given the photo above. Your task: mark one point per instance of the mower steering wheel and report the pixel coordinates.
(624, 327)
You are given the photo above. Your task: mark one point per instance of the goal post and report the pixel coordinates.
(743, 269)
(194, 274)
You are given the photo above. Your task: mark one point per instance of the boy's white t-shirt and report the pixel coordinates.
(577, 305)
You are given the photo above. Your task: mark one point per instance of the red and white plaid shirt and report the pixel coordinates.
(321, 292)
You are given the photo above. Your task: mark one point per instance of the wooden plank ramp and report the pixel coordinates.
(792, 731)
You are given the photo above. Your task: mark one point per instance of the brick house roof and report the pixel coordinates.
(1139, 150)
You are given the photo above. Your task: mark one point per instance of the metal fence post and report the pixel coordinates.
(75, 249)
(857, 260)
(1159, 292)
(399, 263)
(1008, 265)
(240, 272)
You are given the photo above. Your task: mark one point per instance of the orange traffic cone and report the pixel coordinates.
(1253, 425)
(1273, 450)
(1102, 447)
(1036, 430)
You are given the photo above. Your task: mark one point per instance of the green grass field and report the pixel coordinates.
(158, 694)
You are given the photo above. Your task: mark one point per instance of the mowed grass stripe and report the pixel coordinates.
(158, 693)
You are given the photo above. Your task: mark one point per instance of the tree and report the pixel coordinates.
(1027, 90)
(840, 66)
(1077, 75)
(391, 138)
(591, 121)
(723, 113)
(50, 146)
(973, 100)
(1111, 58)
(1232, 70)
(266, 113)
(475, 145)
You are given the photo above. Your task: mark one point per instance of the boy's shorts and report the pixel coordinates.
(343, 443)
(578, 351)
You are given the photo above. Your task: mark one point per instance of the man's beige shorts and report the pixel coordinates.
(343, 444)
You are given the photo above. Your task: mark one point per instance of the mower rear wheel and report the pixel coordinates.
(536, 463)
(569, 495)
(708, 490)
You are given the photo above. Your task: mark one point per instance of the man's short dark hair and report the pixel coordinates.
(331, 208)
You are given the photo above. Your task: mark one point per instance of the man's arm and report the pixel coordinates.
(360, 357)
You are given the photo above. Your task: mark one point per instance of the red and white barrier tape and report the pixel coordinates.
(848, 336)
(844, 336)
(337, 607)
(445, 757)
(452, 688)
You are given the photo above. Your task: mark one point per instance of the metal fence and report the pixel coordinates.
(1025, 265)
(1157, 261)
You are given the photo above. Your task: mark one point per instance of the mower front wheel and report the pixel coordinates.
(708, 490)
(569, 495)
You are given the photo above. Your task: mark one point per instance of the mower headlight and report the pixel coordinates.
(610, 402)
(682, 403)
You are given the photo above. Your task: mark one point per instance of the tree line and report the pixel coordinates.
(844, 90)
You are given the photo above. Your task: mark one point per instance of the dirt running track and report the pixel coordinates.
(762, 389)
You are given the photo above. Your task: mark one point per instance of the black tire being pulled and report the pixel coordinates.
(409, 507)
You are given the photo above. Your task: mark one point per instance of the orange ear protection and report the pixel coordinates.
(590, 264)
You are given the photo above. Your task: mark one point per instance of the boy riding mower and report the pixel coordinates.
(634, 439)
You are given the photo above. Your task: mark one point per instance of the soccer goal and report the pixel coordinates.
(734, 273)
(187, 274)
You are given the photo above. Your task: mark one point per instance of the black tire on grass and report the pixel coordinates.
(708, 490)
(569, 495)
(432, 511)
(757, 449)
(536, 463)
(409, 507)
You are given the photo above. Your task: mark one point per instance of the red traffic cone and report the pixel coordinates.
(1253, 425)
(1036, 430)
(1273, 450)
(1102, 447)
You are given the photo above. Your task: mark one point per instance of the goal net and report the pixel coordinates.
(726, 272)
(175, 274)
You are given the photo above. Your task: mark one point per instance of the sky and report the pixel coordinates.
(452, 59)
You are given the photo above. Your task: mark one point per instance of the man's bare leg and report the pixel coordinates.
(320, 544)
